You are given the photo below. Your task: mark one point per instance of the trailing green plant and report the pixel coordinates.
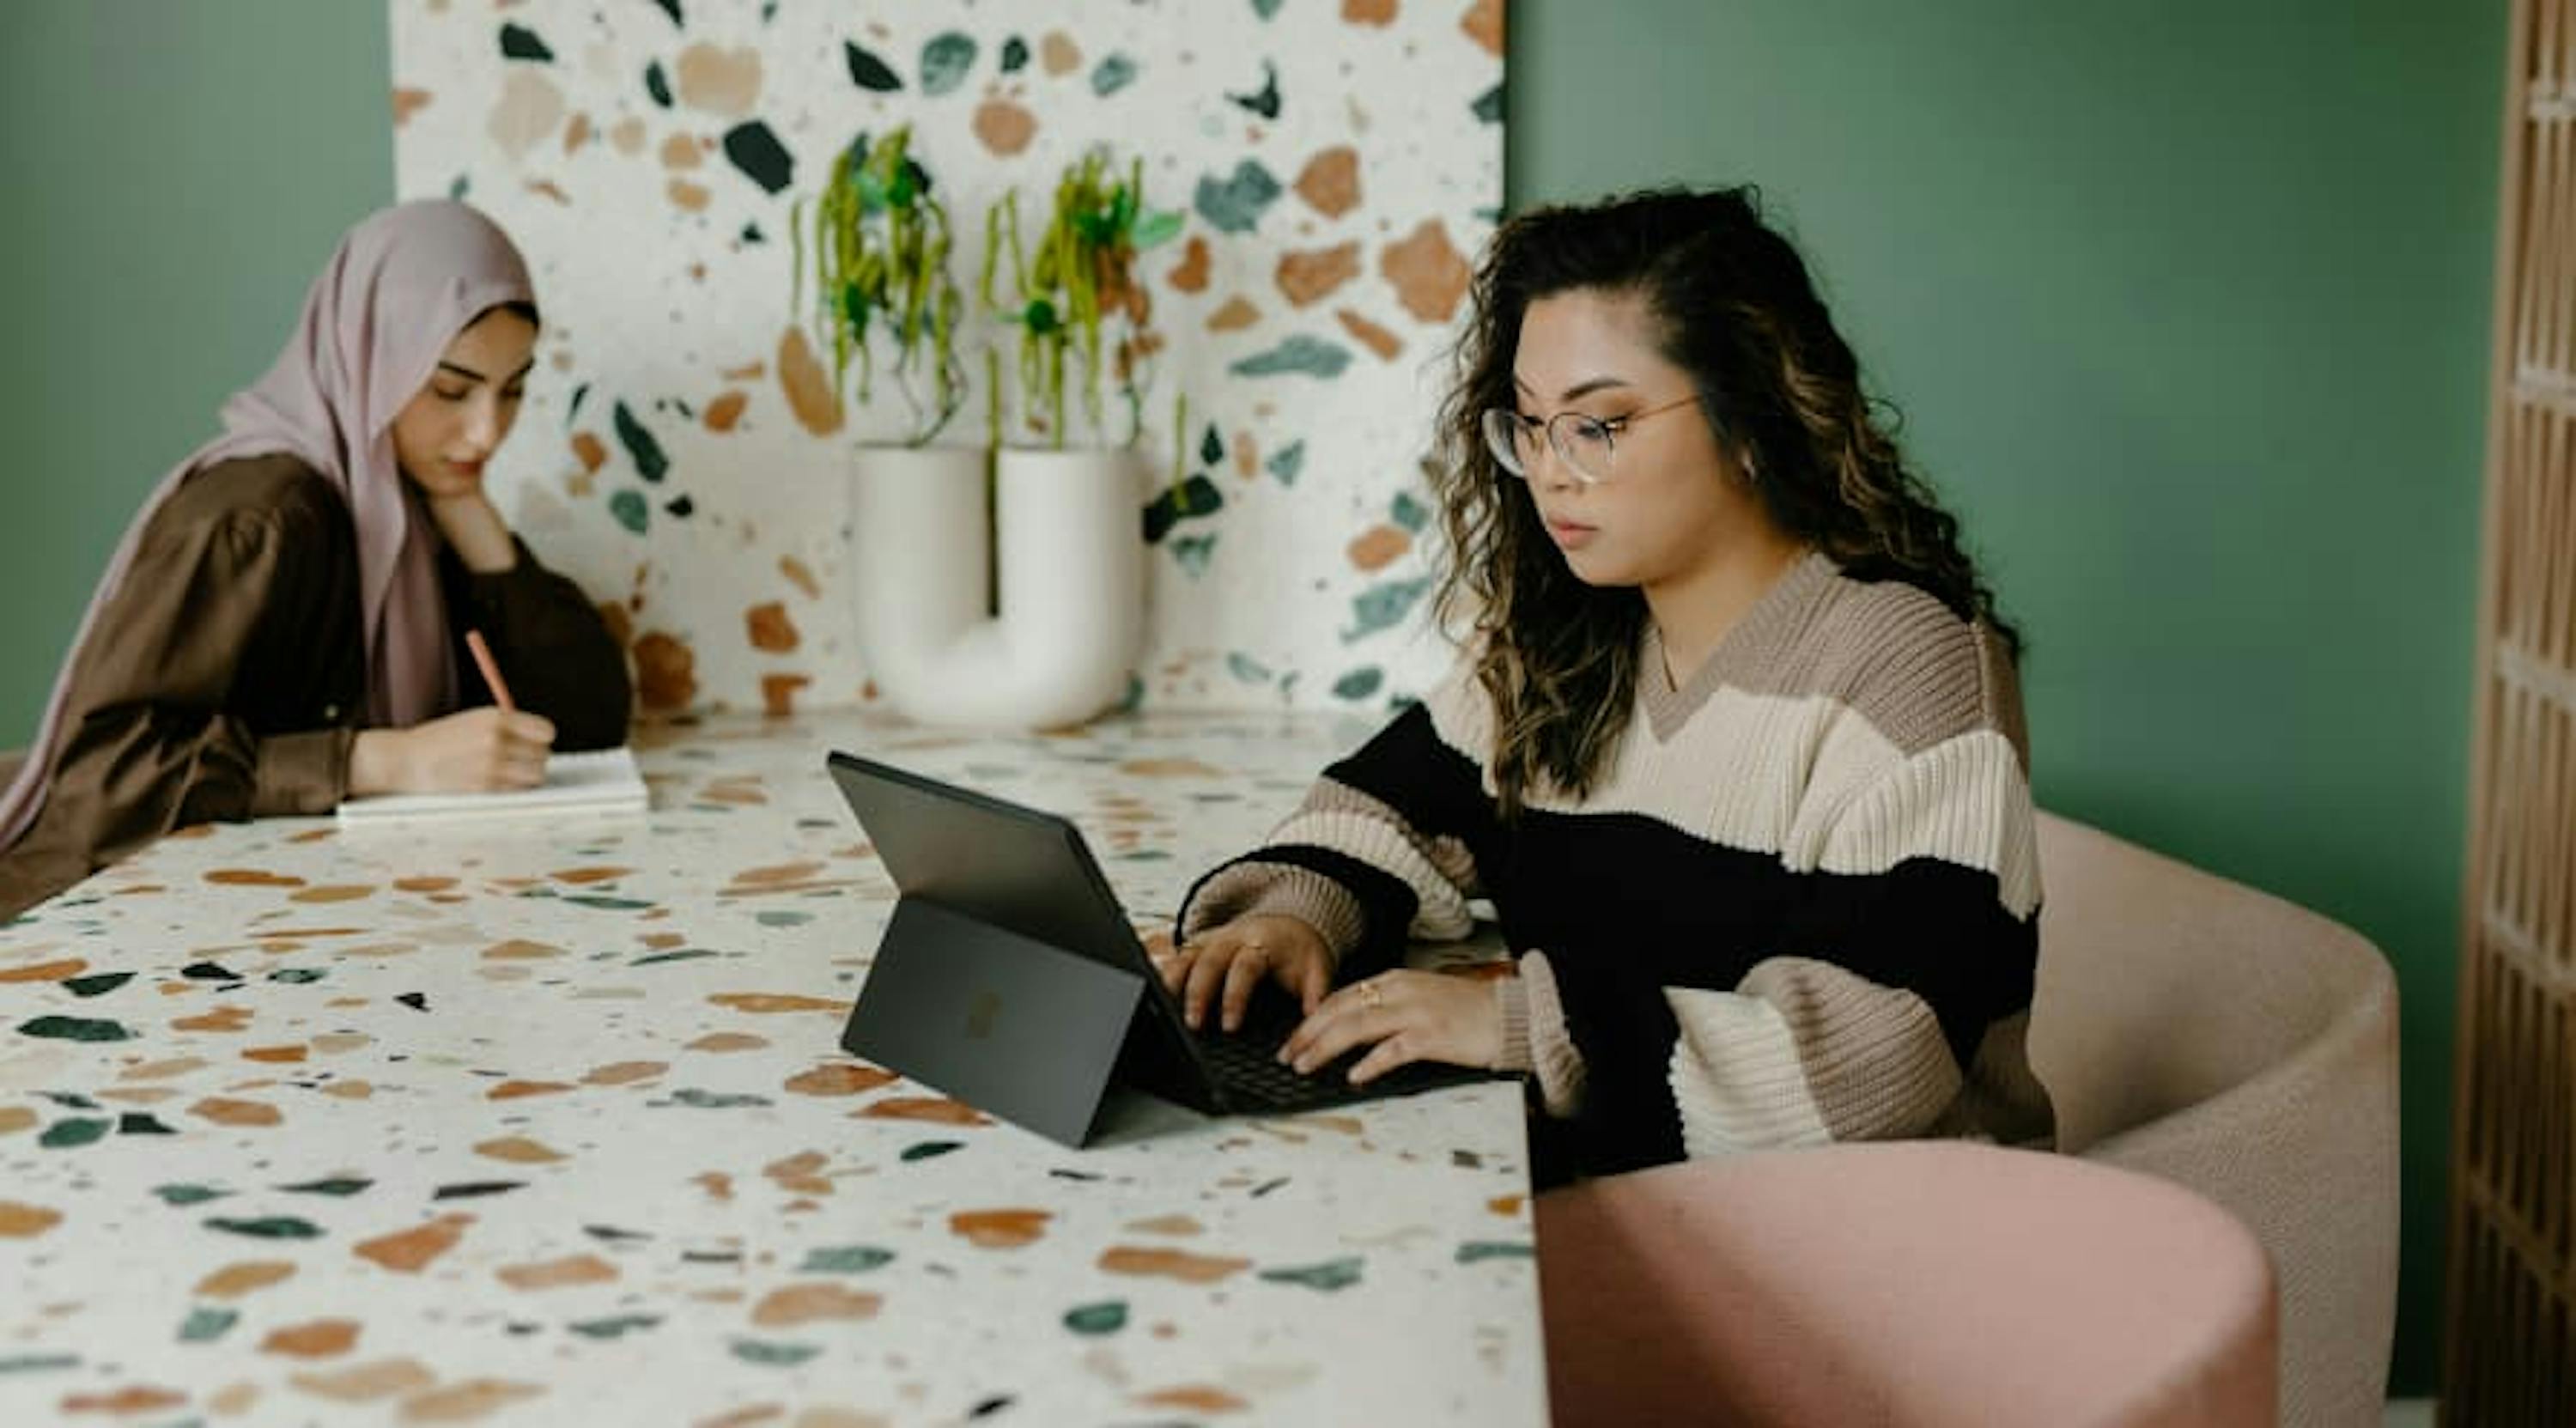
(881, 247)
(1075, 290)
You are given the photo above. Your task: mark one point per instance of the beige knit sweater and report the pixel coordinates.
(1799, 905)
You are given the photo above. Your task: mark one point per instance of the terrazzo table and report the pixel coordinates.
(548, 1124)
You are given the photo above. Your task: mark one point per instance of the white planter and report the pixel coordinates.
(1071, 618)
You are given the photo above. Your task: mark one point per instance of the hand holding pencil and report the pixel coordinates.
(477, 751)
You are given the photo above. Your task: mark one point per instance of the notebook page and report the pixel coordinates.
(600, 781)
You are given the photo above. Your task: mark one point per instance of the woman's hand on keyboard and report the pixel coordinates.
(1403, 1017)
(1225, 964)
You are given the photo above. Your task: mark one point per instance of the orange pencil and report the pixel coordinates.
(491, 671)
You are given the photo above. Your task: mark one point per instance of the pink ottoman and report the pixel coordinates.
(1919, 1283)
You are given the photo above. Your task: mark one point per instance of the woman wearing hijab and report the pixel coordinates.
(284, 623)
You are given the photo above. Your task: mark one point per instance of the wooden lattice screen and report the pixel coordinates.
(2510, 1357)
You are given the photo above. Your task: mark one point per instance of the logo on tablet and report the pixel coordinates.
(982, 1013)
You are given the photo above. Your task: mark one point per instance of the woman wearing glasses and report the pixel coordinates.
(1736, 749)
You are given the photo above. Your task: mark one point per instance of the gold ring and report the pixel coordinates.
(1369, 994)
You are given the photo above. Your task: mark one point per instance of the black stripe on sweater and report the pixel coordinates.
(1654, 904)
(1628, 906)
(1408, 767)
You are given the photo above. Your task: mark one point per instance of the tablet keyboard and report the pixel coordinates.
(1246, 1061)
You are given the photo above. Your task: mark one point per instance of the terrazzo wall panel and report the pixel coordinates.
(683, 452)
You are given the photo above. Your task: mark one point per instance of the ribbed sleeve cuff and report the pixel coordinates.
(1382, 842)
(301, 773)
(1511, 999)
(1553, 1057)
(1252, 889)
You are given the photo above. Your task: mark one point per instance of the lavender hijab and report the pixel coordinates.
(398, 289)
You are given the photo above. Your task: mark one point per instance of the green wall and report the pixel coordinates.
(176, 174)
(2186, 306)
(2187, 309)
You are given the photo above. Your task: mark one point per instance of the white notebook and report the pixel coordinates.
(603, 781)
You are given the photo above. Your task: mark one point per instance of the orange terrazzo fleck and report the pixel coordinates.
(838, 1080)
(1000, 1229)
(1170, 1264)
(410, 1250)
(319, 1339)
(809, 1303)
(938, 1110)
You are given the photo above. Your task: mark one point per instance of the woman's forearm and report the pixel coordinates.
(474, 528)
(375, 762)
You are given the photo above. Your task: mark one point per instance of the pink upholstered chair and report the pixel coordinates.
(2245, 1047)
(2185, 1026)
(1923, 1284)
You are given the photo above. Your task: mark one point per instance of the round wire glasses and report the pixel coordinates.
(1583, 442)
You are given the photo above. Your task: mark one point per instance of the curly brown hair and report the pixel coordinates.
(1736, 309)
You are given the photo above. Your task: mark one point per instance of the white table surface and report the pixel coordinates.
(547, 1123)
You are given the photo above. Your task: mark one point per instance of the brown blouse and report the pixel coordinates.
(227, 678)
